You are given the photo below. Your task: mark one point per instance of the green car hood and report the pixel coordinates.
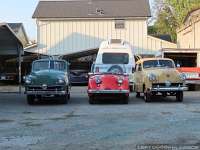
(49, 77)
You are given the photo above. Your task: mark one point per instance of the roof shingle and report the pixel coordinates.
(92, 9)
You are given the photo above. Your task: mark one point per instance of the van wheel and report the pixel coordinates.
(179, 96)
(125, 99)
(147, 97)
(131, 89)
(30, 99)
(92, 100)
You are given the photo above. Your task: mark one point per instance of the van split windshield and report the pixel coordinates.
(115, 58)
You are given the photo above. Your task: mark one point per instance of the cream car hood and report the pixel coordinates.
(165, 74)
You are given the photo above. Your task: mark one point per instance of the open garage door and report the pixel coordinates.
(184, 59)
(10, 71)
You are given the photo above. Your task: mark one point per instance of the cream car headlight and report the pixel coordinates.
(183, 76)
(152, 77)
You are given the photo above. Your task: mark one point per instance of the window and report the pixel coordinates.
(158, 64)
(44, 65)
(58, 65)
(115, 58)
(119, 24)
(40, 65)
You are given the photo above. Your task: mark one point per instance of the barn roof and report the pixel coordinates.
(4, 34)
(92, 9)
(20, 32)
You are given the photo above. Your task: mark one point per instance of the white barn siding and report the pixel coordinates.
(69, 36)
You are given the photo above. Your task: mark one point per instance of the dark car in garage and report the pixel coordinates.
(79, 77)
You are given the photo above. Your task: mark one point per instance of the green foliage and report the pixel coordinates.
(152, 30)
(171, 15)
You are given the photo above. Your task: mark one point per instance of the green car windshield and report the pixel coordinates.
(158, 64)
(45, 65)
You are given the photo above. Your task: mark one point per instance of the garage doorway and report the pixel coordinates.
(183, 59)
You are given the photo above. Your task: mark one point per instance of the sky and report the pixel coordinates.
(14, 11)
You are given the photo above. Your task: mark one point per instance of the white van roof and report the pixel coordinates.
(115, 44)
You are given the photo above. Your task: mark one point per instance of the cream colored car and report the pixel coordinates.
(154, 76)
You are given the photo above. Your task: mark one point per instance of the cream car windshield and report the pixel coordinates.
(158, 64)
(45, 65)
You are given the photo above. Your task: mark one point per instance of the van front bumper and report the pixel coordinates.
(108, 91)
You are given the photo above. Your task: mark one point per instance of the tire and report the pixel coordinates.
(125, 100)
(131, 89)
(69, 96)
(138, 94)
(91, 100)
(30, 99)
(64, 99)
(147, 97)
(179, 96)
(119, 68)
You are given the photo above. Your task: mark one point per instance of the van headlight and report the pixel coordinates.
(120, 80)
(152, 77)
(183, 76)
(98, 80)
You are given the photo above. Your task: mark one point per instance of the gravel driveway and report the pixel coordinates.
(80, 126)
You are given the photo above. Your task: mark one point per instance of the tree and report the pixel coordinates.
(171, 15)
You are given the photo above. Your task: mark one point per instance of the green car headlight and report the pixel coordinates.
(28, 81)
(61, 81)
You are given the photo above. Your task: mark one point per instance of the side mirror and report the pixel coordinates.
(178, 65)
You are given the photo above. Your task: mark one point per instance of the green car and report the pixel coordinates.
(49, 78)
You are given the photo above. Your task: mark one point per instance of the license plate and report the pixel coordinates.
(192, 75)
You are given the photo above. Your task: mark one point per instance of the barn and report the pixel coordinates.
(73, 26)
(188, 42)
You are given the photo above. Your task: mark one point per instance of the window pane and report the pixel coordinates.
(115, 58)
(40, 65)
(58, 65)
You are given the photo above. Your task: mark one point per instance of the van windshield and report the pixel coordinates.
(115, 58)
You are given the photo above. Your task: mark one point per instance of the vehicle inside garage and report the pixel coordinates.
(80, 65)
(183, 57)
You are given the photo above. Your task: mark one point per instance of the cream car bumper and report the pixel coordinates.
(168, 89)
